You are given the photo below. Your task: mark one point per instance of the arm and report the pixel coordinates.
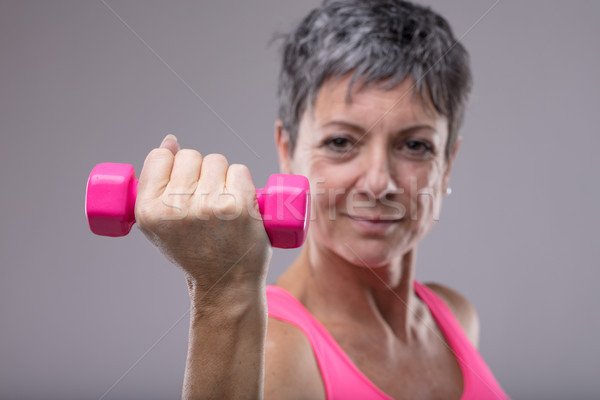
(198, 211)
(226, 347)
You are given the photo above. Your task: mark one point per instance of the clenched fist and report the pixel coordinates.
(202, 214)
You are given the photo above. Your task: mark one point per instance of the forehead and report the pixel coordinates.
(375, 104)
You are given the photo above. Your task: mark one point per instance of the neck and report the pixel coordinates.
(335, 290)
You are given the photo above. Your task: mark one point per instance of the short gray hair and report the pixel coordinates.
(378, 41)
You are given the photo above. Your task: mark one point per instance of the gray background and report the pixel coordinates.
(84, 316)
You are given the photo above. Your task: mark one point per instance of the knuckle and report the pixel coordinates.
(240, 180)
(226, 207)
(159, 154)
(189, 154)
(215, 158)
(145, 215)
(175, 199)
(210, 204)
(203, 205)
(239, 169)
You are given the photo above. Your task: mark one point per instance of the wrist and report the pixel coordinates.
(226, 302)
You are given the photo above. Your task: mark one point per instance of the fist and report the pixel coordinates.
(202, 214)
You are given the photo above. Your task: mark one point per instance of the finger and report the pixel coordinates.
(212, 175)
(185, 172)
(155, 174)
(170, 142)
(157, 167)
(241, 186)
(239, 182)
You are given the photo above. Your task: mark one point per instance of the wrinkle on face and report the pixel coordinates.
(381, 122)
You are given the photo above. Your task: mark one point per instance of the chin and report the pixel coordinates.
(368, 255)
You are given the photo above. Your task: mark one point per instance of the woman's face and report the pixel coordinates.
(376, 166)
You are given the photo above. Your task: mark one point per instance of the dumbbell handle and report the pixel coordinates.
(284, 204)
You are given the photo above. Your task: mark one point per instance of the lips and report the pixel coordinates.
(374, 218)
(378, 225)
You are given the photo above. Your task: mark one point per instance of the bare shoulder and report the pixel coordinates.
(462, 309)
(291, 369)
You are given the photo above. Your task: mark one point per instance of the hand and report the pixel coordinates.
(202, 214)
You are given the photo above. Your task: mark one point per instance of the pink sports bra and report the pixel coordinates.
(344, 381)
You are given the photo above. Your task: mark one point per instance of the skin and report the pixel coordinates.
(378, 157)
(178, 206)
(384, 148)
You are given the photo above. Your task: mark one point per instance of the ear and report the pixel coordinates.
(282, 141)
(446, 180)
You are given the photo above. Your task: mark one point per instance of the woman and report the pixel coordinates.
(372, 95)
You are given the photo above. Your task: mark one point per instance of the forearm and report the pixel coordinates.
(226, 346)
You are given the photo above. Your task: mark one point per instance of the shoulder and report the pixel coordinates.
(291, 370)
(462, 309)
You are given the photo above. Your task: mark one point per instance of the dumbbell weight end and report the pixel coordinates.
(284, 204)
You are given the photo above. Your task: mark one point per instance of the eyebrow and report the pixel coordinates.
(361, 130)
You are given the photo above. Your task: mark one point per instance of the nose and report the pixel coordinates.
(377, 179)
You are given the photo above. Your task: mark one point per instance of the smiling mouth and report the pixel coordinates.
(374, 219)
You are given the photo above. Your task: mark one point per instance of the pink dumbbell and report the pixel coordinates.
(284, 204)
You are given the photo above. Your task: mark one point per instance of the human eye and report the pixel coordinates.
(418, 148)
(339, 144)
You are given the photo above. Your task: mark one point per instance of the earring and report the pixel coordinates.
(448, 191)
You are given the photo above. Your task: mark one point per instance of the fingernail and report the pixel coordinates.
(168, 137)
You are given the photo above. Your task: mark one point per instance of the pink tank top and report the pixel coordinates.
(344, 381)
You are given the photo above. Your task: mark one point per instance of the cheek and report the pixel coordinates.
(423, 185)
(329, 182)
(329, 188)
(328, 192)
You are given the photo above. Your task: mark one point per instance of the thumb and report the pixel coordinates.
(170, 142)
